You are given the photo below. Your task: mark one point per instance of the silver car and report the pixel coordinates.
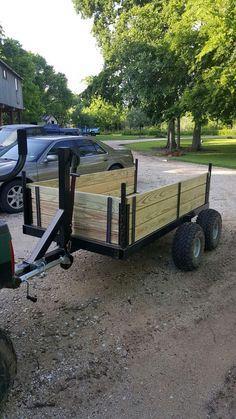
(42, 163)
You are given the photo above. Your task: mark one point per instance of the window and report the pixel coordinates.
(16, 84)
(4, 74)
(54, 149)
(35, 149)
(89, 148)
(34, 131)
(99, 149)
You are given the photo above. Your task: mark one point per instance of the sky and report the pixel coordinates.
(52, 29)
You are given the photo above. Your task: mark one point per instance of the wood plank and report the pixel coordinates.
(154, 224)
(89, 218)
(82, 199)
(193, 182)
(104, 187)
(153, 196)
(192, 194)
(100, 182)
(105, 177)
(191, 205)
(153, 211)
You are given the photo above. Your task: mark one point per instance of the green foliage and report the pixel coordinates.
(136, 118)
(44, 90)
(102, 114)
(169, 57)
(228, 132)
(145, 131)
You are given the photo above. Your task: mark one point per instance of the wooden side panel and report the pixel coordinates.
(193, 193)
(154, 209)
(158, 207)
(104, 183)
(89, 216)
(149, 211)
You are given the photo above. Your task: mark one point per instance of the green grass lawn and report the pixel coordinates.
(220, 152)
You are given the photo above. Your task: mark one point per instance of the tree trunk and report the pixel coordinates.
(196, 142)
(171, 143)
(178, 133)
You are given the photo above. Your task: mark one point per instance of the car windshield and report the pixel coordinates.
(35, 149)
(9, 135)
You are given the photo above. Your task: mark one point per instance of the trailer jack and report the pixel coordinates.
(40, 269)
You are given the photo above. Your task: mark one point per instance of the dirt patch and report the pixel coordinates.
(129, 339)
(223, 405)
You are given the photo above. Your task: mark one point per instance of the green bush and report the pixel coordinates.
(209, 131)
(153, 131)
(228, 132)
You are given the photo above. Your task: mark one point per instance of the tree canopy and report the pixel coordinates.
(169, 56)
(44, 90)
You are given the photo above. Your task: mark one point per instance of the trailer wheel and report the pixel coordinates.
(188, 246)
(67, 265)
(211, 223)
(7, 364)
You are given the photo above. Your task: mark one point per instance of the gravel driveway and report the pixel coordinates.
(129, 339)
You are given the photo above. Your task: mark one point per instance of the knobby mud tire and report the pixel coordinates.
(211, 223)
(188, 246)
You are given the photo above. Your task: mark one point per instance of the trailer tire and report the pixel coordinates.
(8, 363)
(211, 222)
(188, 246)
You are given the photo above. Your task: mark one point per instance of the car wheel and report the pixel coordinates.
(11, 199)
(7, 365)
(115, 167)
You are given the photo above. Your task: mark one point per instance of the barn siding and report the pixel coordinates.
(9, 96)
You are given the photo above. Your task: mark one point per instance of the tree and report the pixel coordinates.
(204, 34)
(44, 90)
(171, 56)
(104, 115)
(106, 85)
(17, 58)
(151, 76)
(137, 118)
(55, 95)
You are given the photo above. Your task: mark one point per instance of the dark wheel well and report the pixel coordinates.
(116, 167)
(18, 178)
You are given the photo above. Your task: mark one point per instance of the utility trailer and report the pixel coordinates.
(104, 213)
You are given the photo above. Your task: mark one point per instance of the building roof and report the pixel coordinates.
(10, 69)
